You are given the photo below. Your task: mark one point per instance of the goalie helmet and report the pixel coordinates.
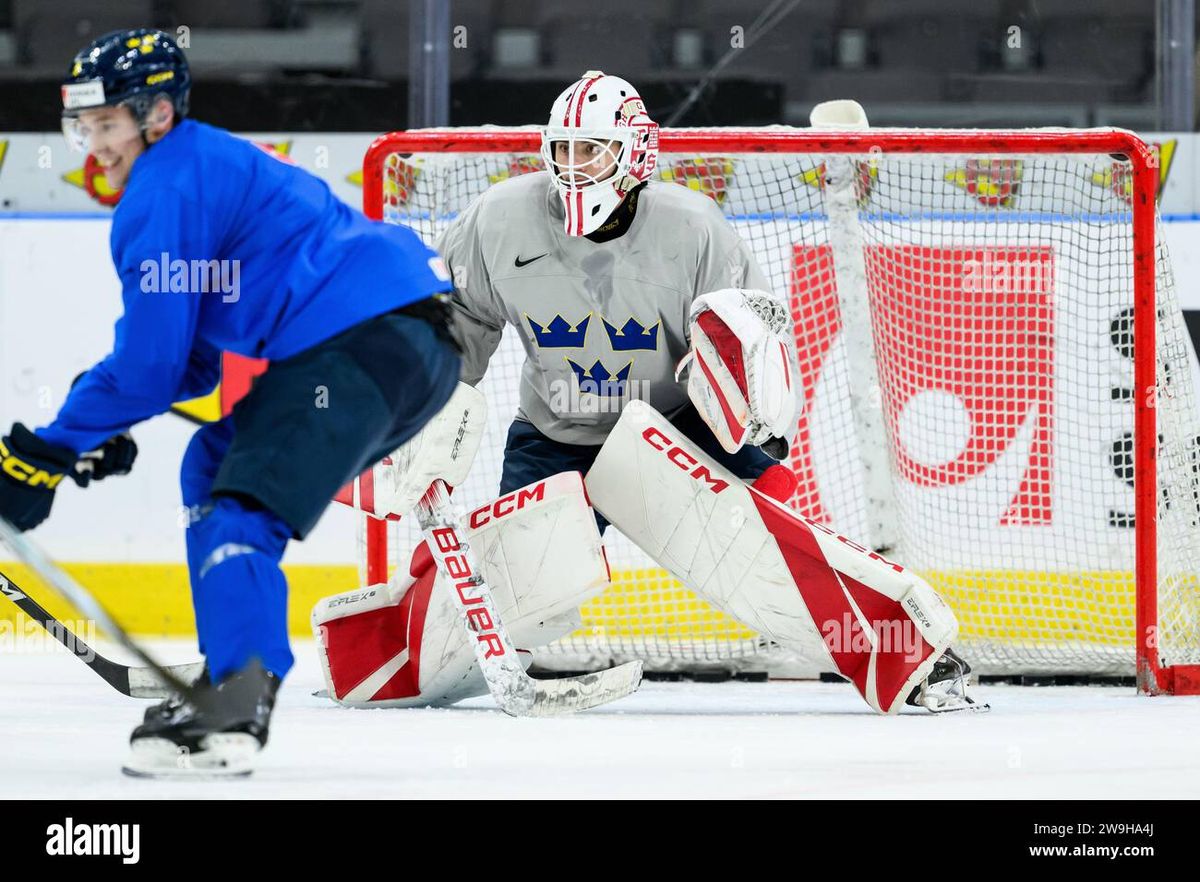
(611, 146)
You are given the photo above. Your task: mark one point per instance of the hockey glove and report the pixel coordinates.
(743, 361)
(114, 457)
(30, 472)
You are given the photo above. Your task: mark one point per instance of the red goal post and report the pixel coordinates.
(1153, 676)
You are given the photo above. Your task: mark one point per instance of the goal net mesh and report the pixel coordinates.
(965, 336)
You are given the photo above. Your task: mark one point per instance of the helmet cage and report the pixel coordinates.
(590, 197)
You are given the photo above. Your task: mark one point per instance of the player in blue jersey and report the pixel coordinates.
(220, 246)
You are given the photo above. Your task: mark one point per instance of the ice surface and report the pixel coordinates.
(66, 732)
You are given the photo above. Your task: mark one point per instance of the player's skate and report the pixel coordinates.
(180, 740)
(164, 709)
(945, 689)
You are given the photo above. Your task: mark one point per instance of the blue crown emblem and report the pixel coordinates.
(559, 334)
(596, 380)
(632, 335)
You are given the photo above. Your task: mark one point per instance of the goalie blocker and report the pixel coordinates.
(791, 579)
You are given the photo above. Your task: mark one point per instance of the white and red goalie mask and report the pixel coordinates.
(610, 144)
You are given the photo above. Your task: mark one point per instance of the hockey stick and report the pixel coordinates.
(517, 693)
(137, 682)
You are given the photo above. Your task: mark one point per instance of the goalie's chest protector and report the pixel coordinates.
(601, 322)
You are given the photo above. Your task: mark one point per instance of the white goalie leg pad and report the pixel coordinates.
(444, 448)
(403, 644)
(791, 579)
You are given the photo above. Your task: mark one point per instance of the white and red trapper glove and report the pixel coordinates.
(743, 369)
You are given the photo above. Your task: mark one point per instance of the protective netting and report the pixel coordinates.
(964, 328)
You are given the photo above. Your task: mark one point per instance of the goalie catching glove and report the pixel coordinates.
(743, 369)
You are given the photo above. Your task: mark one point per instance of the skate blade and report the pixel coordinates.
(225, 755)
(952, 704)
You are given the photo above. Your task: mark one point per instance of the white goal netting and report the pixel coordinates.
(964, 325)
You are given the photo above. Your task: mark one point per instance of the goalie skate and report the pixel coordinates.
(946, 688)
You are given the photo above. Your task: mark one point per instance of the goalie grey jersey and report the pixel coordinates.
(601, 322)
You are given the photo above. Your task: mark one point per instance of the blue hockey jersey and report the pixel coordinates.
(221, 246)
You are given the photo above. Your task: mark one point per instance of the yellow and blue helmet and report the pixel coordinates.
(132, 67)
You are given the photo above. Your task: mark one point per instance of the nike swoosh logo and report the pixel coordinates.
(520, 263)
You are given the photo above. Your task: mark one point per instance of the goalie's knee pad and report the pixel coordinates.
(403, 644)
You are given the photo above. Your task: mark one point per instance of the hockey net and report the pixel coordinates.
(997, 384)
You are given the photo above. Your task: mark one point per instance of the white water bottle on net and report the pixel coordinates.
(997, 384)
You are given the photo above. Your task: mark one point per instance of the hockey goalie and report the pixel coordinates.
(628, 290)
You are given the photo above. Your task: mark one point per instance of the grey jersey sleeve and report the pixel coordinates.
(478, 315)
(727, 262)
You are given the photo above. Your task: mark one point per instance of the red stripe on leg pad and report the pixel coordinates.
(358, 645)
(825, 590)
(406, 682)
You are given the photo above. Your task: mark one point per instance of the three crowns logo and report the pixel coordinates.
(632, 335)
(559, 334)
(596, 380)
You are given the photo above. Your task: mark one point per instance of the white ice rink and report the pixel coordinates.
(65, 734)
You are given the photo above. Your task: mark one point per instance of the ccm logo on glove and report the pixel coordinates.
(30, 472)
(25, 472)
